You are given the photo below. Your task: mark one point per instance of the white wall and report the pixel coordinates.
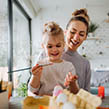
(60, 12)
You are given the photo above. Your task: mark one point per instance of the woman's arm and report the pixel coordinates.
(87, 77)
(71, 81)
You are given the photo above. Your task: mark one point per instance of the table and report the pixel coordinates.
(105, 102)
(16, 103)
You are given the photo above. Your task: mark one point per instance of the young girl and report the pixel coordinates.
(44, 79)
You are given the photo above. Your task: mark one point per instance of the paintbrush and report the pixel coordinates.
(40, 65)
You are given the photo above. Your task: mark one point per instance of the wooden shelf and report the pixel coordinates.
(93, 38)
(107, 47)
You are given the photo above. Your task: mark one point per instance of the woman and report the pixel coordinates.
(76, 32)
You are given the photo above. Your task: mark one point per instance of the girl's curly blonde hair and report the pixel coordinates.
(52, 28)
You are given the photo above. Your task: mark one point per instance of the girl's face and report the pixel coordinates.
(54, 47)
(76, 34)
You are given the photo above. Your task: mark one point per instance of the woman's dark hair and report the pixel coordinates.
(79, 18)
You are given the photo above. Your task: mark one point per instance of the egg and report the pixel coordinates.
(58, 87)
(57, 90)
(68, 105)
(61, 98)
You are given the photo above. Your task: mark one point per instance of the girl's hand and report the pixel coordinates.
(70, 79)
(37, 70)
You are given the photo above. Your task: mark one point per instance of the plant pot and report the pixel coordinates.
(90, 34)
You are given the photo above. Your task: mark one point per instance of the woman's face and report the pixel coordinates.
(76, 34)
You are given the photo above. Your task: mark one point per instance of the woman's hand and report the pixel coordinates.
(70, 79)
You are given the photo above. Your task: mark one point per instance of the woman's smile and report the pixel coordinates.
(74, 42)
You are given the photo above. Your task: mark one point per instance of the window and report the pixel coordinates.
(3, 40)
(21, 46)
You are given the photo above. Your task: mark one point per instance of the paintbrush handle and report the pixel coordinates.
(41, 65)
(21, 69)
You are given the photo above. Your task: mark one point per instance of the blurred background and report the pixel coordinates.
(21, 23)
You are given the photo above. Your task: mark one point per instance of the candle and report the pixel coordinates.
(101, 91)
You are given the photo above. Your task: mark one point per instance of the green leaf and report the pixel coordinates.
(22, 90)
(92, 27)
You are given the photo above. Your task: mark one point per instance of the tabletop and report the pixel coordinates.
(16, 102)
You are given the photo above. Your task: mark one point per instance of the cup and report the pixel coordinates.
(9, 89)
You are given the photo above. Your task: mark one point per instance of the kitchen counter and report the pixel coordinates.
(16, 103)
(105, 102)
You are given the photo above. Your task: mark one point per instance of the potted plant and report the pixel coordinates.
(22, 90)
(92, 28)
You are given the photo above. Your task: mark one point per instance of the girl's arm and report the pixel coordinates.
(36, 72)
